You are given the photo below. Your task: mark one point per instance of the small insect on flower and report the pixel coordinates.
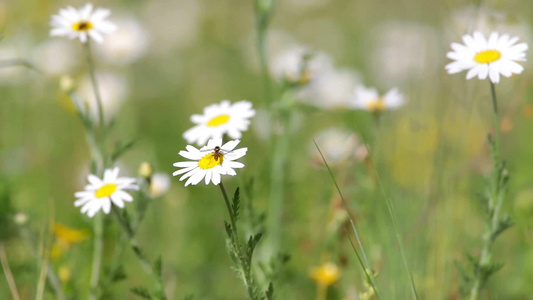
(82, 23)
(220, 119)
(210, 162)
(487, 58)
(101, 193)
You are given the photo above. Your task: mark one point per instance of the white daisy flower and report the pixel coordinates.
(220, 119)
(100, 193)
(370, 100)
(210, 162)
(82, 23)
(482, 57)
(159, 184)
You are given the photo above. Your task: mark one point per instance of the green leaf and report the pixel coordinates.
(142, 292)
(158, 266)
(119, 274)
(236, 204)
(270, 292)
(122, 148)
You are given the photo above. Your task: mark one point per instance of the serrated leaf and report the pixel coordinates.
(119, 274)
(235, 207)
(158, 266)
(270, 292)
(142, 292)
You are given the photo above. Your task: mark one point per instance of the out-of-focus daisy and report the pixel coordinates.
(326, 274)
(82, 23)
(404, 52)
(338, 147)
(113, 90)
(487, 58)
(210, 162)
(159, 184)
(220, 119)
(331, 89)
(298, 64)
(370, 100)
(127, 44)
(56, 57)
(100, 194)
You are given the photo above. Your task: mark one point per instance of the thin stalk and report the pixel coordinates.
(495, 204)
(321, 291)
(277, 188)
(392, 215)
(94, 82)
(364, 261)
(9, 275)
(145, 263)
(98, 249)
(262, 17)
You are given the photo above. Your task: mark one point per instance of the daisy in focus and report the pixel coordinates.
(210, 162)
(220, 119)
(487, 58)
(100, 194)
(370, 100)
(82, 23)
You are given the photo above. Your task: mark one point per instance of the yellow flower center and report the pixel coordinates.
(377, 105)
(218, 120)
(327, 274)
(209, 161)
(106, 190)
(82, 26)
(487, 56)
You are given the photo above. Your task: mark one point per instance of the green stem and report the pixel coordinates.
(392, 215)
(277, 184)
(94, 83)
(145, 263)
(495, 204)
(97, 256)
(241, 257)
(262, 17)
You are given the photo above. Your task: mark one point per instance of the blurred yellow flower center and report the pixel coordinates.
(487, 56)
(377, 105)
(209, 161)
(82, 26)
(218, 120)
(326, 274)
(106, 190)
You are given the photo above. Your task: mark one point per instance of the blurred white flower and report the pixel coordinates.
(82, 23)
(338, 146)
(403, 52)
(487, 57)
(210, 162)
(370, 100)
(100, 194)
(220, 119)
(127, 44)
(298, 64)
(113, 92)
(56, 57)
(159, 184)
(331, 89)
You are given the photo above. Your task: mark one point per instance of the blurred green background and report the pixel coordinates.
(431, 155)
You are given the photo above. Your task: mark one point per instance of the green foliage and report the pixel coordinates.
(142, 292)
